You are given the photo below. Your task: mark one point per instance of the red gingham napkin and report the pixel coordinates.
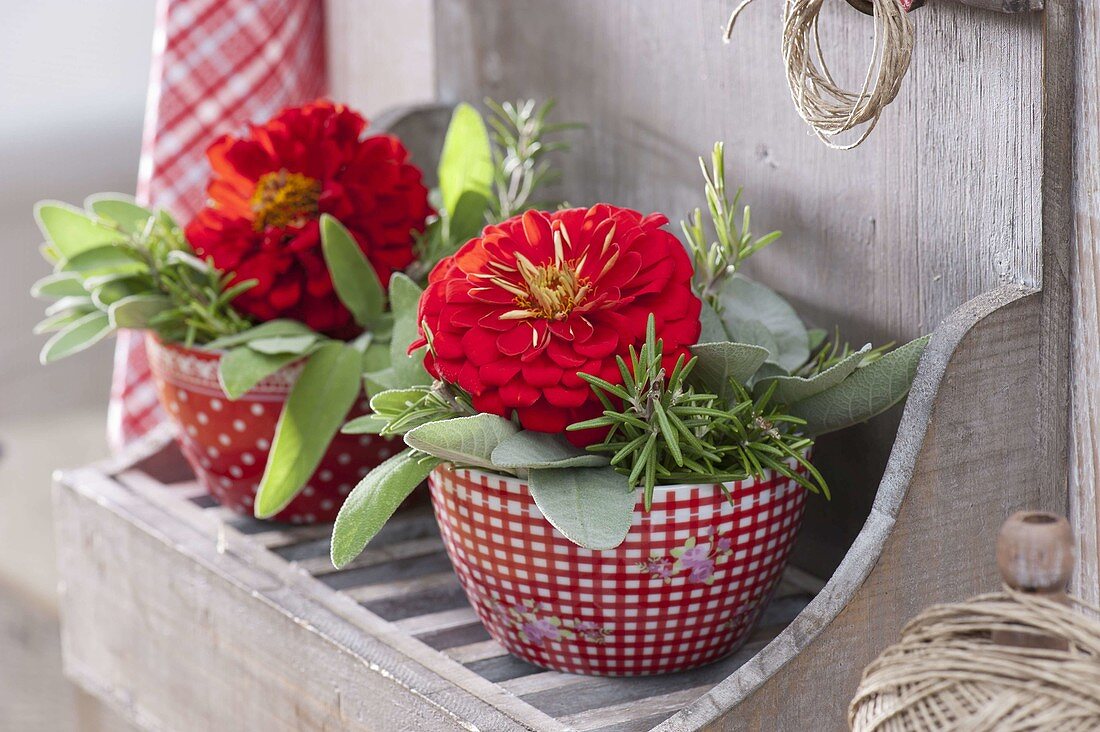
(216, 65)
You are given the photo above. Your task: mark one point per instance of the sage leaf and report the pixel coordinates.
(790, 389)
(743, 300)
(71, 231)
(465, 170)
(111, 291)
(278, 345)
(71, 302)
(389, 401)
(122, 210)
(754, 333)
(592, 507)
(868, 391)
(529, 449)
(712, 329)
(59, 284)
(58, 321)
(102, 260)
(373, 501)
(270, 329)
(316, 407)
(468, 218)
(718, 363)
(408, 369)
(357, 284)
(368, 424)
(75, 337)
(241, 368)
(135, 311)
(462, 440)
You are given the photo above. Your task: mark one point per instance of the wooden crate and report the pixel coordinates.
(187, 617)
(190, 617)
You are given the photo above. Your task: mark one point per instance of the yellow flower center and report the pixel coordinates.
(553, 290)
(550, 291)
(284, 199)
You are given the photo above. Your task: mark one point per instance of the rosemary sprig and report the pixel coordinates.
(200, 296)
(834, 351)
(661, 431)
(717, 259)
(521, 155)
(400, 410)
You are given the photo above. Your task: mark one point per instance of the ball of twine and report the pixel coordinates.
(828, 108)
(947, 673)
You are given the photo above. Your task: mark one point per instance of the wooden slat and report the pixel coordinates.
(368, 594)
(322, 565)
(476, 652)
(633, 710)
(433, 622)
(282, 536)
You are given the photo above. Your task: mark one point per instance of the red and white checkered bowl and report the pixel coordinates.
(226, 442)
(683, 590)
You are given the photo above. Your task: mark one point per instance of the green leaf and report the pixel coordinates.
(592, 507)
(58, 321)
(408, 369)
(390, 401)
(77, 336)
(373, 501)
(376, 356)
(395, 400)
(110, 291)
(135, 311)
(71, 231)
(278, 345)
(368, 424)
(791, 389)
(869, 391)
(382, 380)
(743, 300)
(468, 218)
(465, 167)
(720, 362)
(357, 284)
(712, 329)
(241, 368)
(462, 440)
(270, 329)
(318, 404)
(59, 284)
(528, 449)
(102, 260)
(120, 209)
(816, 337)
(71, 302)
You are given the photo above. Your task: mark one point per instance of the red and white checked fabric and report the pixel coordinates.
(217, 64)
(685, 588)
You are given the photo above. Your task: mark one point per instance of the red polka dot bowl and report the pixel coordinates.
(684, 589)
(226, 441)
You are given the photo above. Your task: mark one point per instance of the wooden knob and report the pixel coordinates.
(1035, 555)
(1035, 552)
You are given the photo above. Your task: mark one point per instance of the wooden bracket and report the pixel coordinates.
(999, 6)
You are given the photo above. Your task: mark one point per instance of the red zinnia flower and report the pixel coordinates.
(515, 314)
(270, 187)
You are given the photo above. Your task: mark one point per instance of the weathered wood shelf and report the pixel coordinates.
(400, 597)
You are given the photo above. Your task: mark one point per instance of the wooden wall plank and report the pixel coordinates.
(386, 55)
(1085, 426)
